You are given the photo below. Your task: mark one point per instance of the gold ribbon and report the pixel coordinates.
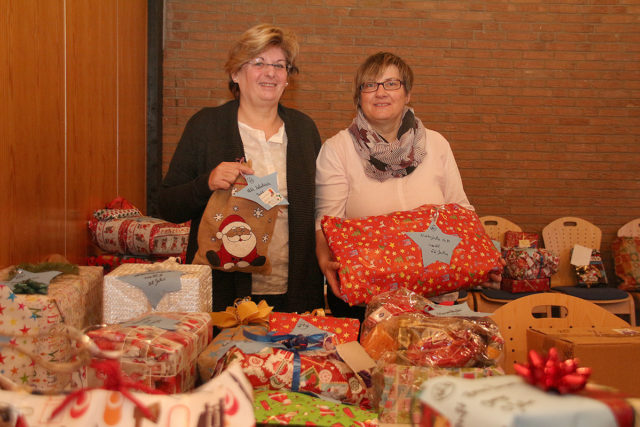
(243, 312)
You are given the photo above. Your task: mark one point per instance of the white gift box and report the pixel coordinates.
(124, 301)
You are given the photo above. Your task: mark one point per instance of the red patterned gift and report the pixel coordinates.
(344, 329)
(319, 372)
(626, 256)
(381, 253)
(528, 269)
(520, 239)
(525, 285)
(160, 349)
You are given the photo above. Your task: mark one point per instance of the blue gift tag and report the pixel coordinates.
(155, 284)
(262, 190)
(23, 275)
(435, 245)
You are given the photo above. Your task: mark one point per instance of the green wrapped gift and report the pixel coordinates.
(288, 407)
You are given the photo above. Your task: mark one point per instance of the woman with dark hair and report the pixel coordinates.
(385, 161)
(256, 127)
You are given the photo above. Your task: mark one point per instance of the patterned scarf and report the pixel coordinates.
(389, 159)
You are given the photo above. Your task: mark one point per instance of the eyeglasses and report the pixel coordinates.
(393, 84)
(279, 66)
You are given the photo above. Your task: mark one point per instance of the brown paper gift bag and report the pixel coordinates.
(235, 232)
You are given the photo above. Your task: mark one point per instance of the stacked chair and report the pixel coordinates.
(560, 237)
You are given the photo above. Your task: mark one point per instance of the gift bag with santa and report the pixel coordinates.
(237, 225)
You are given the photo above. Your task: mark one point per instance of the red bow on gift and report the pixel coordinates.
(550, 373)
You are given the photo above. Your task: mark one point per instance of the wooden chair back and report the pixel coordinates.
(513, 320)
(560, 236)
(496, 226)
(630, 229)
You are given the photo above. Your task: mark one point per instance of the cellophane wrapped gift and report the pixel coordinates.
(37, 324)
(592, 274)
(306, 364)
(160, 349)
(396, 388)
(124, 301)
(520, 239)
(227, 338)
(626, 257)
(376, 253)
(121, 228)
(225, 401)
(291, 408)
(528, 269)
(344, 329)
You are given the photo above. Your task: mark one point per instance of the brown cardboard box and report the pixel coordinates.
(612, 354)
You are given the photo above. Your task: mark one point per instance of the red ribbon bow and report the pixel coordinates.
(550, 373)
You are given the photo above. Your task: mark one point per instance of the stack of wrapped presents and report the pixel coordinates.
(139, 345)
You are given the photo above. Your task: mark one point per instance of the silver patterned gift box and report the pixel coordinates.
(124, 301)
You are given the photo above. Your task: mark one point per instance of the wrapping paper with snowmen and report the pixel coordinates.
(238, 225)
(430, 250)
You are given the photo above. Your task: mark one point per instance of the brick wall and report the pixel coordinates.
(540, 100)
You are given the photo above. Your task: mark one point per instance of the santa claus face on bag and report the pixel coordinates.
(239, 240)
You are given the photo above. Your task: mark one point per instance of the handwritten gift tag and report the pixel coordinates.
(155, 284)
(263, 190)
(434, 244)
(305, 328)
(44, 277)
(509, 401)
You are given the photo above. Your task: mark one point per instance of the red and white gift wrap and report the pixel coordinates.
(520, 239)
(156, 357)
(376, 255)
(525, 285)
(123, 301)
(37, 323)
(344, 329)
(528, 269)
(321, 372)
(224, 401)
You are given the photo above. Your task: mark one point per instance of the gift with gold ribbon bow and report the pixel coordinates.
(243, 312)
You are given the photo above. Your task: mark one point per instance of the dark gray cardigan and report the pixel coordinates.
(210, 137)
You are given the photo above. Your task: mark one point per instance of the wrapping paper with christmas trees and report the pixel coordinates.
(291, 408)
(344, 329)
(37, 323)
(160, 349)
(431, 250)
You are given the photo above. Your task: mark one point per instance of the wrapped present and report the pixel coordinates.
(529, 263)
(431, 250)
(344, 329)
(110, 261)
(591, 272)
(308, 364)
(626, 257)
(37, 324)
(159, 349)
(509, 401)
(396, 388)
(135, 289)
(121, 228)
(224, 401)
(227, 338)
(291, 408)
(520, 239)
(525, 285)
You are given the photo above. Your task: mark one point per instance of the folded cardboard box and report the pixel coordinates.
(612, 354)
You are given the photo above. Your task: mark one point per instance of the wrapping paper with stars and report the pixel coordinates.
(344, 329)
(430, 250)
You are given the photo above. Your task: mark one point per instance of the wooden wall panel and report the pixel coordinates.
(32, 200)
(132, 95)
(91, 114)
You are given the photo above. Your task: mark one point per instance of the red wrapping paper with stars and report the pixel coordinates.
(382, 253)
(345, 329)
